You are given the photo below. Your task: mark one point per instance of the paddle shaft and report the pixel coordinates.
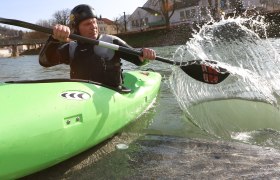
(199, 70)
(80, 38)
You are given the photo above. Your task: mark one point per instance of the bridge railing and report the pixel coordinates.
(12, 42)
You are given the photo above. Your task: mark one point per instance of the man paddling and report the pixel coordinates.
(87, 61)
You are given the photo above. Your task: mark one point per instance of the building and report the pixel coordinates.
(229, 6)
(144, 17)
(193, 11)
(186, 12)
(270, 5)
(183, 11)
(106, 26)
(150, 16)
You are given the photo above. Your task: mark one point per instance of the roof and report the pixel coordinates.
(107, 21)
(149, 10)
(178, 5)
(186, 3)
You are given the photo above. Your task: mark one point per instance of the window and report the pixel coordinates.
(223, 4)
(192, 13)
(188, 14)
(203, 11)
(182, 15)
(142, 22)
(102, 29)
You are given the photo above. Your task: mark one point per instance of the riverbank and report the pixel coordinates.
(153, 38)
(31, 52)
(176, 35)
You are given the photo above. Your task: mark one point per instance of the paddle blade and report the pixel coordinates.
(205, 71)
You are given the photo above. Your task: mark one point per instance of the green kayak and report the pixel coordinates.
(44, 122)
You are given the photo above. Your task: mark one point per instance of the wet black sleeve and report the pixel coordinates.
(53, 53)
(128, 57)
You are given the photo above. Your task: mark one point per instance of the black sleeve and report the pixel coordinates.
(53, 53)
(128, 57)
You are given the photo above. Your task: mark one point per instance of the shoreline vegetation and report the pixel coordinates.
(175, 35)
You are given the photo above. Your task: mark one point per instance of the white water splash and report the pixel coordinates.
(243, 136)
(253, 62)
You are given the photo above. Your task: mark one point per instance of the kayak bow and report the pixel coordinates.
(44, 123)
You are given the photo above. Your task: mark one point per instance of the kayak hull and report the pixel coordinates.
(43, 124)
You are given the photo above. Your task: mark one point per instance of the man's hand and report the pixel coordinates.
(148, 54)
(61, 33)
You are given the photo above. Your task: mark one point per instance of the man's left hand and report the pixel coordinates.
(148, 54)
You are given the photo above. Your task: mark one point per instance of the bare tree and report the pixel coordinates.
(46, 23)
(167, 10)
(39, 35)
(120, 24)
(6, 31)
(62, 17)
(164, 7)
(117, 24)
(59, 17)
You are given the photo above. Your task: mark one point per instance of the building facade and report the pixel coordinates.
(106, 26)
(186, 12)
(149, 15)
(271, 5)
(193, 11)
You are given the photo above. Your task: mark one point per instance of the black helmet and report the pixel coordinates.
(80, 13)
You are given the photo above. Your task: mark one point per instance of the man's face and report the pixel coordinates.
(88, 28)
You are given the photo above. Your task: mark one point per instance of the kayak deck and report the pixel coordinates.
(122, 89)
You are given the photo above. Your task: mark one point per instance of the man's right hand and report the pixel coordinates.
(61, 33)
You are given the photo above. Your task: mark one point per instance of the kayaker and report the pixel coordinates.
(87, 61)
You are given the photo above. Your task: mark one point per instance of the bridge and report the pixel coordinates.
(14, 43)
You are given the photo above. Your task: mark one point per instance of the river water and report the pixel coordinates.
(171, 140)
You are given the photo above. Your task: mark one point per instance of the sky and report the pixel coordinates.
(34, 10)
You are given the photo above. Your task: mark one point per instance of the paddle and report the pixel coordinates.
(204, 71)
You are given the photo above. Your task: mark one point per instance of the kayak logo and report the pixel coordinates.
(75, 95)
